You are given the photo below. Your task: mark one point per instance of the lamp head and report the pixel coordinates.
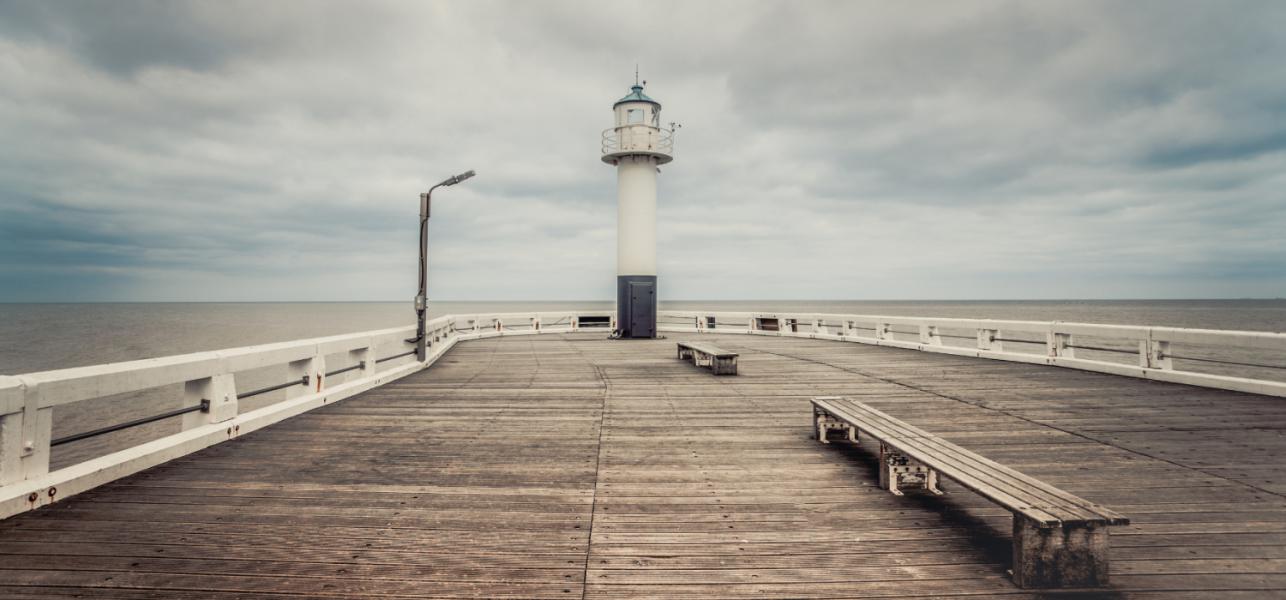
(454, 179)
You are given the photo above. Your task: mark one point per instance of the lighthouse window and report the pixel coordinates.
(634, 115)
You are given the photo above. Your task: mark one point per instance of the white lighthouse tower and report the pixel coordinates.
(636, 145)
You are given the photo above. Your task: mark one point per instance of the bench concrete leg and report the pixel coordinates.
(1059, 556)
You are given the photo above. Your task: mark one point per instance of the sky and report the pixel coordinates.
(275, 151)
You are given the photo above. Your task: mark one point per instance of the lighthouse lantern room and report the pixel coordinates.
(636, 145)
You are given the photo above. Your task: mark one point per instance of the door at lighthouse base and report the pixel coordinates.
(642, 309)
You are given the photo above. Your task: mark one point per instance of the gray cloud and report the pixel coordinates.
(984, 149)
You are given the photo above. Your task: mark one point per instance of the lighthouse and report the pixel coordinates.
(636, 145)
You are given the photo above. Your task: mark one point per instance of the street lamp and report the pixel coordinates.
(421, 339)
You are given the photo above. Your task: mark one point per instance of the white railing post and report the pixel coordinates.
(25, 435)
(500, 326)
(750, 325)
(989, 339)
(699, 322)
(1059, 345)
(218, 392)
(314, 368)
(930, 335)
(1155, 354)
(818, 327)
(883, 330)
(535, 323)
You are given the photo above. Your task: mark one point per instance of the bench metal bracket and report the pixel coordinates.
(825, 424)
(898, 471)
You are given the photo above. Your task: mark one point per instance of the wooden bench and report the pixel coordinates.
(1060, 540)
(720, 361)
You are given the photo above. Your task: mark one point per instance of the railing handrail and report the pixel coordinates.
(1154, 353)
(1228, 337)
(209, 401)
(210, 414)
(135, 375)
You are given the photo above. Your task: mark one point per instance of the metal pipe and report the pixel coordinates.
(1223, 362)
(204, 405)
(1102, 349)
(386, 358)
(272, 388)
(346, 369)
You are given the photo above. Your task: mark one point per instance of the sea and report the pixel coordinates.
(40, 337)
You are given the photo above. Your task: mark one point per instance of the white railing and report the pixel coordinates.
(210, 401)
(638, 138)
(209, 404)
(1231, 360)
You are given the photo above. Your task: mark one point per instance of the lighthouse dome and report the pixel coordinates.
(636, 95)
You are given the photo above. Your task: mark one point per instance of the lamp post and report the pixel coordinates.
(421, 302)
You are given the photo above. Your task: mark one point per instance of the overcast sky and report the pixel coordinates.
(878, 150)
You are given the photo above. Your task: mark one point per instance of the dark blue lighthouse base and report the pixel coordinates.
(636, 306)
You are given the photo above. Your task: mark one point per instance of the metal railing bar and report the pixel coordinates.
(346, 369)
(1102, 349)
(272, 388)
(1017, 341)
(204, 405)
(388, 358)
(1224, 362)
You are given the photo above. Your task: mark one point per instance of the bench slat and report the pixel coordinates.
(1036, 499)
(707, 349)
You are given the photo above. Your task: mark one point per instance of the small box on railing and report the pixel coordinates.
(598, 322)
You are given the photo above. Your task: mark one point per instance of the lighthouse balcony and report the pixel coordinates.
(633, 140)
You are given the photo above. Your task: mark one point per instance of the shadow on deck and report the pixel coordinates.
(569, 466)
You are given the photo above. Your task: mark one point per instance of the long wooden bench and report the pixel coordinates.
(720, 361)
(1060, 540)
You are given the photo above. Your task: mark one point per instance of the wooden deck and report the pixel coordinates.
(569, 466)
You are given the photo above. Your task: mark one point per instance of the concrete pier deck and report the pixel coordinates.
(570, 466)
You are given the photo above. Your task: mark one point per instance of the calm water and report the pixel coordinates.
(37, 337)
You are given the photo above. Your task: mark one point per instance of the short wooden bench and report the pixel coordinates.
(720, 361)
(1060, 540)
